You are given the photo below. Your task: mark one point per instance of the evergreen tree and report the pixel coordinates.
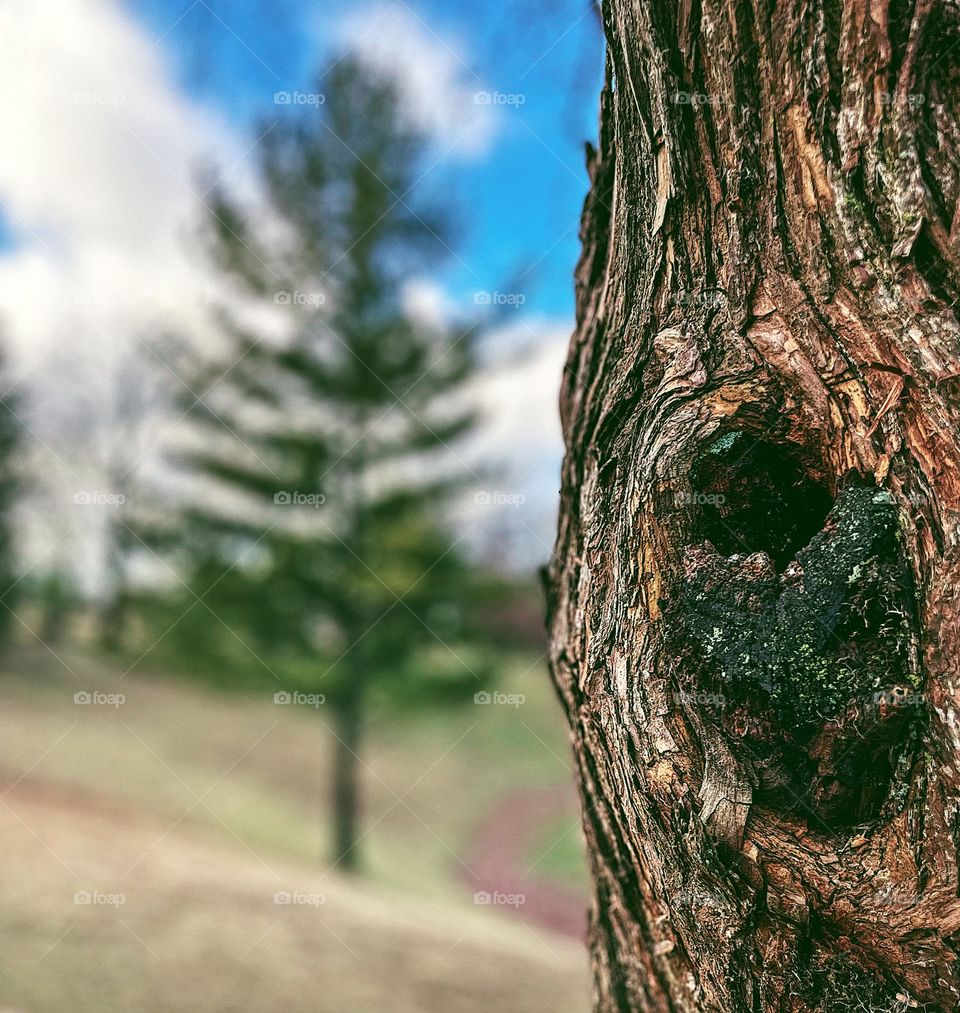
(11, 431)
(313, 536)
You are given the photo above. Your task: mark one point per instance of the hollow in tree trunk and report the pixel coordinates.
(754, 594)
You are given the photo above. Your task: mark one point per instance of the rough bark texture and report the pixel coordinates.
(754, 595)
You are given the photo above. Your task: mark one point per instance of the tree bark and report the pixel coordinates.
(754, 594)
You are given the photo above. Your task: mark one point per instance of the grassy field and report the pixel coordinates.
(149, 845)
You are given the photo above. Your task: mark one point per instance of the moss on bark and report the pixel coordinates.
(833, 628)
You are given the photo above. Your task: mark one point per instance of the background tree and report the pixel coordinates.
(308, 544)
(137, 389)
(10, 433)
(754, 602)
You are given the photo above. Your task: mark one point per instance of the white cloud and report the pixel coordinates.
(428, 303)
(519, 390)
(518, 443)
(98, 185)
(444, 95)
(98, 178)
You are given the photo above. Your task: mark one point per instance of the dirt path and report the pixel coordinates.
(502, 866)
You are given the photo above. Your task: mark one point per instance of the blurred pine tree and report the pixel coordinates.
(11, 431)
(321, 456)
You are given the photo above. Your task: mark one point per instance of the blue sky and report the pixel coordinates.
(120, 102)
(519, 202)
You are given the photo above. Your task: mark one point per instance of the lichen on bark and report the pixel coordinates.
(833, 628)
(815, 666)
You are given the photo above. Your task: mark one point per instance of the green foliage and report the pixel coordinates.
(313, 553)
(854, 206)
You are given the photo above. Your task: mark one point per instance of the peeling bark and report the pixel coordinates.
(753, 599)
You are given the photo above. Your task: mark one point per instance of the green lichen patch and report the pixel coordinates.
(815, 664)
(723, 443)
(834, 627)
(843, 621)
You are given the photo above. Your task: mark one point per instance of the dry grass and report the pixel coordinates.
(197, 810)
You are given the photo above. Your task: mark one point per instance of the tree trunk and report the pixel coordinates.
(754, 595)
(113, 621)
(348, 729)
